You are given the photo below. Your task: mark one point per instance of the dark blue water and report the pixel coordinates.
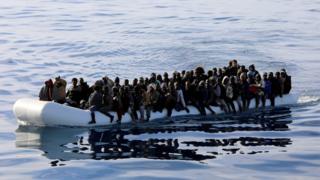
(42, 39)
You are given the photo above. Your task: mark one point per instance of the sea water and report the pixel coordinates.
(42, 39)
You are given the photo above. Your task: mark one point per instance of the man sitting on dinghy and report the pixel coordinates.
(45, 93)
(95, 104)
(74, 94)
(59, 90)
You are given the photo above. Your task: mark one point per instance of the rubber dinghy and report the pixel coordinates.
(33, 112)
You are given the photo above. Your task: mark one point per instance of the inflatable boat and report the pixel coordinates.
(31, 112)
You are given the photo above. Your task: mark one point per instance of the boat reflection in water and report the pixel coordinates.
(196, 138)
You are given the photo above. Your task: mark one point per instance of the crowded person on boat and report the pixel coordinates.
(231, 88)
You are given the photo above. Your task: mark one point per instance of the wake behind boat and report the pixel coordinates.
(196, 92)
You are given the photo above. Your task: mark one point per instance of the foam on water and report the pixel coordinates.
(308, 99)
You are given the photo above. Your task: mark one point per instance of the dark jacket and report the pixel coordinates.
(95, 99)
(85, 91)
(74, 93)
(276, 87)
(202, 94)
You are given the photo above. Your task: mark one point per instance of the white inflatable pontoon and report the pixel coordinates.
(33, 112)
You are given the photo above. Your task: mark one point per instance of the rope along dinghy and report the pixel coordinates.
(33, 112)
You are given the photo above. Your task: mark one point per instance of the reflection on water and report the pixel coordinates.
(212, 137)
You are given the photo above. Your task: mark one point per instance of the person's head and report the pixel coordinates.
(265, 75)
(270, 75)
(283, 74)
(146, 80)
(126, 82)
(258, 78)
(192, 73)
(251, 67)
(210, 73)
(242, 68)
(58, 82)
(159, 78)
(179, 78)
(153, 75)
(74, 81)
(81, 80)
(174, 75)
(230, 63)
(117, 80)
(178, 75)
(152, 79)
(47, 83)
(165, 75)
(234, 63)
(224, 69)
(105, 78)
(183, 72)
(199, 71)
(99, 83)
(187, 74)
(135, 82)
(277, 74)
(215, 70)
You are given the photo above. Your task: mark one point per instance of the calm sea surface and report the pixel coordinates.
(41, 39)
